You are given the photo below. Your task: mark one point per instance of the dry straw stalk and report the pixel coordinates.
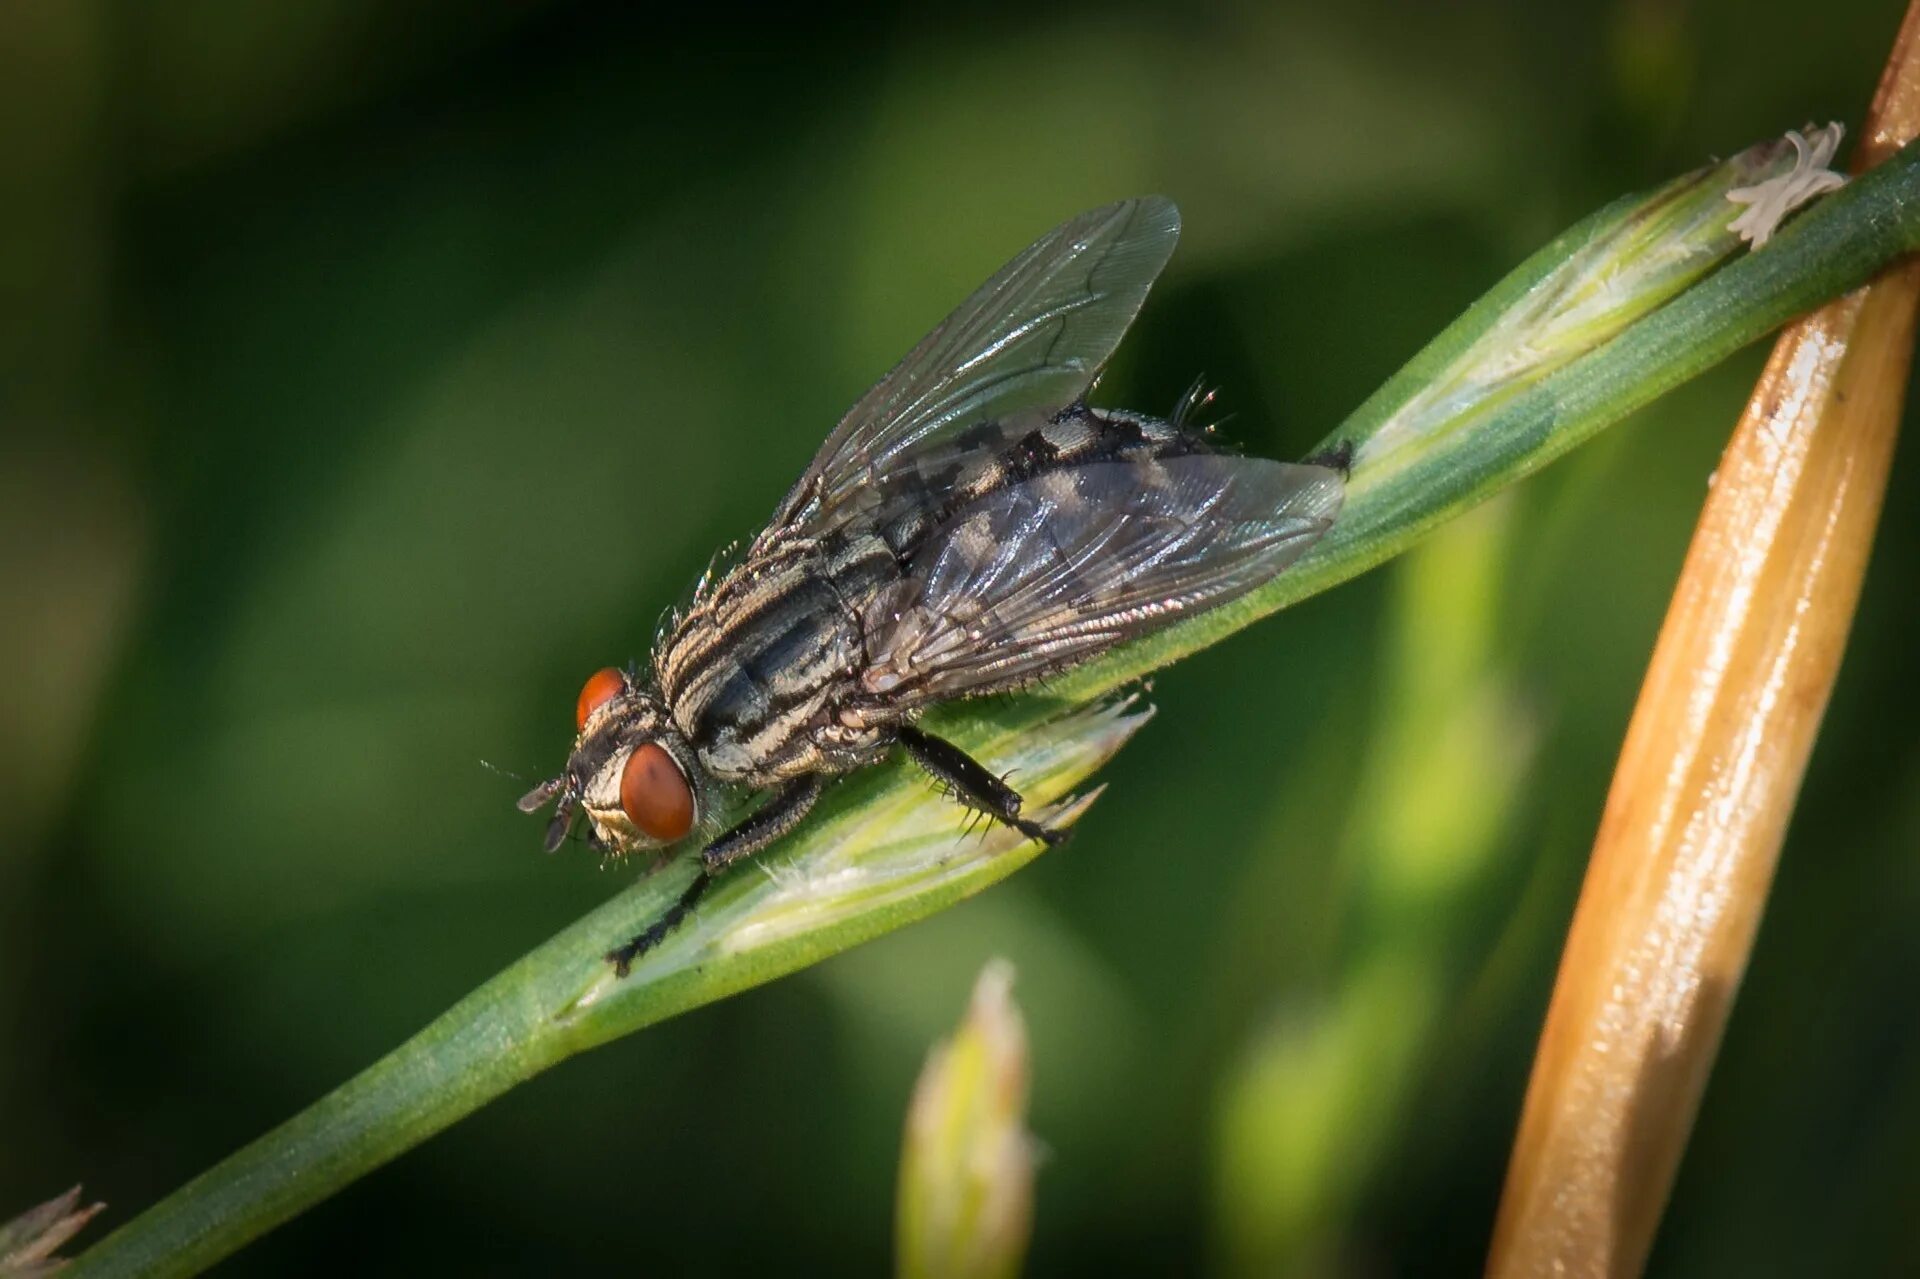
(1710, 770)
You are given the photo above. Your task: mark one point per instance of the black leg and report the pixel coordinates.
(622, 957)
(761, 827)
(765, 824)
(968, 779)
(1339, 457)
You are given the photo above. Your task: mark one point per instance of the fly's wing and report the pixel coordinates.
(1033, 337)
(1047, 573)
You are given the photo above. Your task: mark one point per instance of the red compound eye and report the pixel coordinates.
(601, 687)
(654, 794)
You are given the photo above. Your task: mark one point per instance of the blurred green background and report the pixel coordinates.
(371, 372)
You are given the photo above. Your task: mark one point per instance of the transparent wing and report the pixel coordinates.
(1047, 573)
(1033, 337)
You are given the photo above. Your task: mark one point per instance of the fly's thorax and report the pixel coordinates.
(756, 668)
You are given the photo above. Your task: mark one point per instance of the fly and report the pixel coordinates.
(971, 526)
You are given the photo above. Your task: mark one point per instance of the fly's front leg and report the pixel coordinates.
(622, 957)
(966, 777)
(765, 824)
(761, 827)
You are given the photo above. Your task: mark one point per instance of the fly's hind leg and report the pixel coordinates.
(761, 827)
(969, 779)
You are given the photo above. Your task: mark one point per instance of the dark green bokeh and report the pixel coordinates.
(368, 377)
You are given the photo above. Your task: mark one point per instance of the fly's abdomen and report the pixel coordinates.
(947, 483)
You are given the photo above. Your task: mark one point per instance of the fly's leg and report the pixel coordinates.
(1339, 457)
(622, 957)
(967, 778)
(764, 825)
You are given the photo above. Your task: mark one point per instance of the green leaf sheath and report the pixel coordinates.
(1631, 302)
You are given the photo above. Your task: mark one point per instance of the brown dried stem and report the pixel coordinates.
(1710, 770)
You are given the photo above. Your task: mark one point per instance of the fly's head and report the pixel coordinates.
(631, 771)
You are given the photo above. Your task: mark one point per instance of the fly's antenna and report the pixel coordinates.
(543, 794)
(561, 827)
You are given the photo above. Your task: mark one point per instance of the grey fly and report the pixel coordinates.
(971, 526)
